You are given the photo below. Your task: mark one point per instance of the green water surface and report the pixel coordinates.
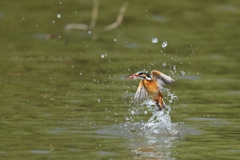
(63, 98)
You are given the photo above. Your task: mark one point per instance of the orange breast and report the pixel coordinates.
(152, 89)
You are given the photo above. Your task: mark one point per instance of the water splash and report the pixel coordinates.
(154, 138)
(160, 121)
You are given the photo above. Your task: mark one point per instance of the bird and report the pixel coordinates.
(151, 85)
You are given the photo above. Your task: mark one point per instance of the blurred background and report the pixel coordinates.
(62, 96)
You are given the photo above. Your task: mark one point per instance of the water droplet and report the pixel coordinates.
(174, 67)
(103, 55)
(182, 72)
(58, 15)
(99, 100)
(154, 40)
(164, 44)
(132, 112)
(164, 64)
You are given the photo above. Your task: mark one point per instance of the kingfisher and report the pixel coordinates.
(151, 85)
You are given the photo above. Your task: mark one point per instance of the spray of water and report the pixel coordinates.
(160, 121)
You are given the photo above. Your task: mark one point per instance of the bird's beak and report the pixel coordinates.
(132, 76)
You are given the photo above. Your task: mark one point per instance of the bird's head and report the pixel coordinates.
(141, 74)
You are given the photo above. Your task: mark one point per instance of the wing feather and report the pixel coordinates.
(141, 92)
(161, 78)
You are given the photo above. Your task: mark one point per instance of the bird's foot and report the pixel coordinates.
(160, 106)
